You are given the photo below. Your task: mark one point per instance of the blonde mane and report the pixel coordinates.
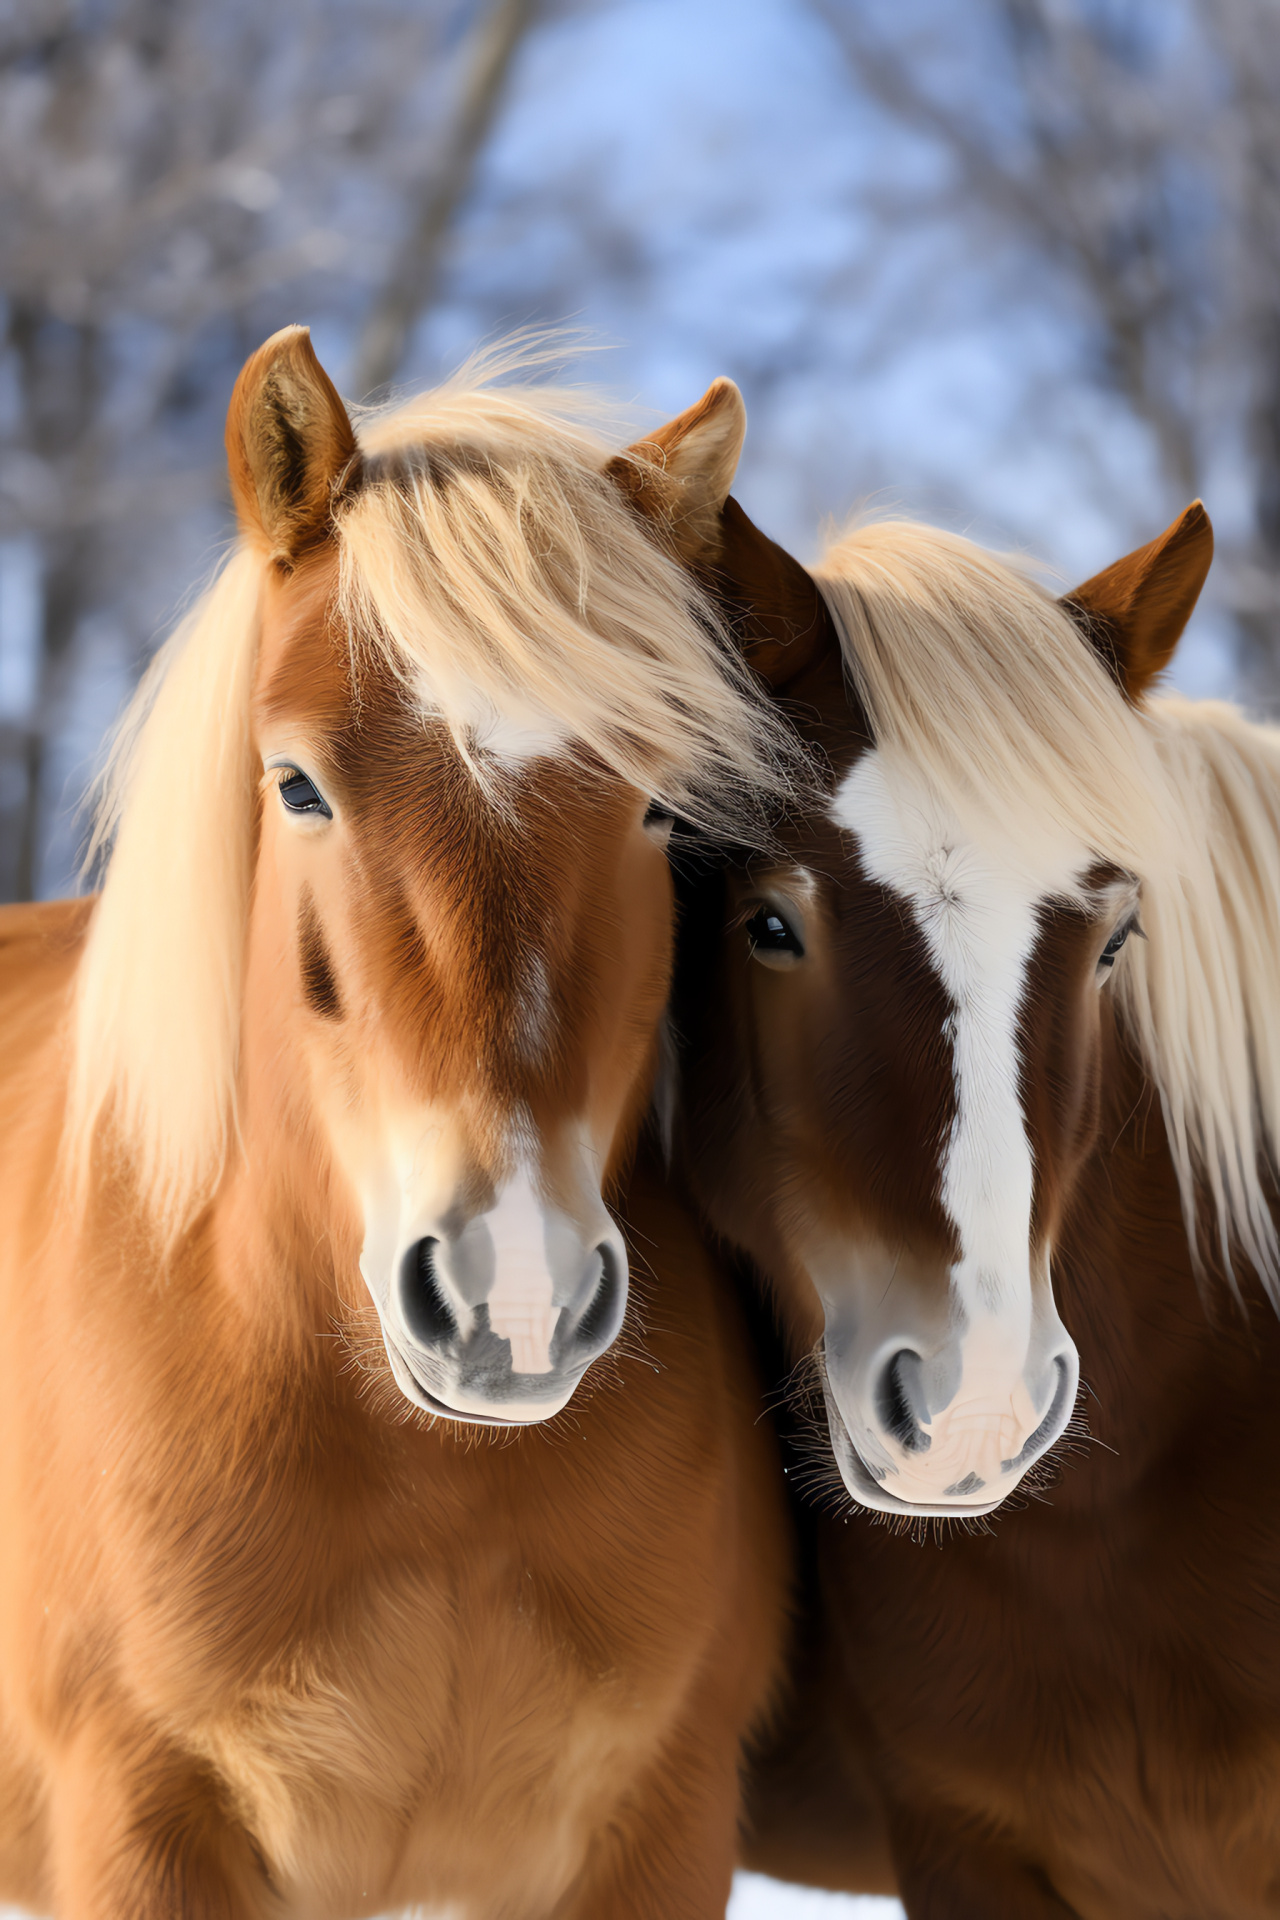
(491, 563)
(973, 670)
(497, 570)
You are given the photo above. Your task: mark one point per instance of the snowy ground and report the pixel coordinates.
(755, 1898)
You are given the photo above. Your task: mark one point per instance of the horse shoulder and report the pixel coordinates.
(40, 946)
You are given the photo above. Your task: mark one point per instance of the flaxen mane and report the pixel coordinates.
(973, 671)
(494, 566)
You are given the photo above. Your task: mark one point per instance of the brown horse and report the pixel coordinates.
(306, 1125)
(1001, 1025)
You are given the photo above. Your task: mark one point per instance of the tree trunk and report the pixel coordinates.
(61, 382)
(411, 284)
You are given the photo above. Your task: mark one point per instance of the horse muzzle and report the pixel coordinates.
(494, 1319)
(513, 1369)
(946, 1419)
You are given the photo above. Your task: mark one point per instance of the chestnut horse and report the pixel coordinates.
(306, 1127)
(982, 1068)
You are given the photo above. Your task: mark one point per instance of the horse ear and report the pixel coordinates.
(780, 620)
(1134, 612)
(680, 476)
(290, 446)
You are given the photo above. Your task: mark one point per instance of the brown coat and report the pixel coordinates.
(1074, 1708)
(267, 1649)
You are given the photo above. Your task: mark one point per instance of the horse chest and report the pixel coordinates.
(434, 1715)
(1123, 1737)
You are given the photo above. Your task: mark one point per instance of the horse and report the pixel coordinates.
(981, 1076)
(361, 1547)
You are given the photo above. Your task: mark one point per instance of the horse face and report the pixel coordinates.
(475, 985)
(896, 1082)
(922, 1020)
(473, 661)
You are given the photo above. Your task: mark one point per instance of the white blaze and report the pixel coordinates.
(522, 1305)
(976, 906)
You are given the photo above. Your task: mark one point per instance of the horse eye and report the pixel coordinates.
(658, 824)
(301, 795)
(1107, 958)
(772, 940)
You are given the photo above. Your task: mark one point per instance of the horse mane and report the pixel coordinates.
(970, 668)
(491, 563)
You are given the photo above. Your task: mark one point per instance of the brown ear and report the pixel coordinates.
(1134, 612)
(680, 478)
(781, 621)
(290, 446)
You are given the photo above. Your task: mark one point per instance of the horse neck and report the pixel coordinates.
(1167, 1356)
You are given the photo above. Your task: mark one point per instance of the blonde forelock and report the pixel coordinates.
(501, 574)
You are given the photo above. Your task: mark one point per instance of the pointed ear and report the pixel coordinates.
(290, 447)
(680, 476)
(1134, 612)
(780, 620)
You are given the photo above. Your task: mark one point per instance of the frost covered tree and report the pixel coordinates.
(177, 178)
(1121, 160)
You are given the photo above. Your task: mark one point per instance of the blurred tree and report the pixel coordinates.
(1127, 152)
(179, 178)
(411, 281)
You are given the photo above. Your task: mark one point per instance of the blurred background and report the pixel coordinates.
(1013, 265)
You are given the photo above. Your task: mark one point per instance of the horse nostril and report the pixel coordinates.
(599, 1314)
(900, 1402)
(1054, 1420)
(427, 1312)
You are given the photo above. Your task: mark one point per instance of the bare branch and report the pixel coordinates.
(411, 284)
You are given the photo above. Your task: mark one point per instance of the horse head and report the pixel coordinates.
(896, 1019)
(410, 993)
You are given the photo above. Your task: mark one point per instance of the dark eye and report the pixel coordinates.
(1107, 958)
(658, 824)
(772, 939)
(301, 795)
